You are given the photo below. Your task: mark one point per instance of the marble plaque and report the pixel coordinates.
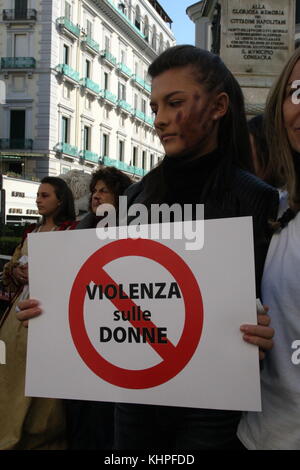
(257, 38)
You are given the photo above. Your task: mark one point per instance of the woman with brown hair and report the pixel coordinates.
(277, 426)
(30, 423)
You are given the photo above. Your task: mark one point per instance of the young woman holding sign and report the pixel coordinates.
(277, 426)
(30, 423)
(200, 119)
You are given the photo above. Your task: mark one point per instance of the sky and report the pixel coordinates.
(183, 28)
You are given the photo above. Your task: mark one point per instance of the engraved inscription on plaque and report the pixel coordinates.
(257, 38)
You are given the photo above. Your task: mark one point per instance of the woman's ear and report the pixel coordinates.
(221, 104)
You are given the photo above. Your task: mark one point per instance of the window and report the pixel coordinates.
(89, 30)
(123, 56)
(66, 53)
(153, 41)
(121, 150)
(143, 106)
(135, 156)
(86, 137)
(65, 129)
(137, 17)
(106, 113)
(87, 68)
(107, 43)
(88, 103)
(20, 45)
(66, 91)
(152, 160)
(144, 159)
(105, 140)
(106, 80)
(68, 9)
(146, 28)
(161, 43)
(122, 91)
(135, 101)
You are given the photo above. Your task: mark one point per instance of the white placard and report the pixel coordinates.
(82, 348)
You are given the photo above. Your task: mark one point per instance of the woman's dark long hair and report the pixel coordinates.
(66, 209)
(210, 71)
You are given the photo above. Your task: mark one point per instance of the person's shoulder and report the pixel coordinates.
(256, 193)
(68, 225)
(30, 228)
(134, 190)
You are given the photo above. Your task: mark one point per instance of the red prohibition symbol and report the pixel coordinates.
(173, 357)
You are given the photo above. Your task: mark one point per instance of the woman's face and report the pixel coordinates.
(101, 195)
(291, 111)
(46, 200)
(186, 115)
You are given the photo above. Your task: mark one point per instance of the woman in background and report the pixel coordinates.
(277, 426)
(30, 423)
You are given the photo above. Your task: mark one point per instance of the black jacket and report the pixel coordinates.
(245, 196)
(164, 427)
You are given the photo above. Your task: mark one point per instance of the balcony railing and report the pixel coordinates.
(140, 115)
(124, 69)
(88, 83)
(109, 96)
(18, 63)
(90, 156)
(124, 166)
(149, 121)
(64, 22)
(65, 69)
(142, 82)
(69, 149)
(109, 57)
(24, 144)
(19, 15)
(124, 105)
(90, 42)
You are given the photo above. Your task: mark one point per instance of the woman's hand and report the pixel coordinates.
(28, 309)
(261, 334)
(20, 273)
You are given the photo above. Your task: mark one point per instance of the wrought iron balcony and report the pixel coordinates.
(123, 166)
(107, 95)
(69, 149)
(91, 43)
(19, 15)
(140, 115)
(109, 57)
(67, 24)
(90, 156)
(65, 69)
(124, 105)
(18, 63)
(24, 144)
(90, 85)
(149, 121)
(124, 69)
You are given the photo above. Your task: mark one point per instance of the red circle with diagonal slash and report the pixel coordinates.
(174, 358)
